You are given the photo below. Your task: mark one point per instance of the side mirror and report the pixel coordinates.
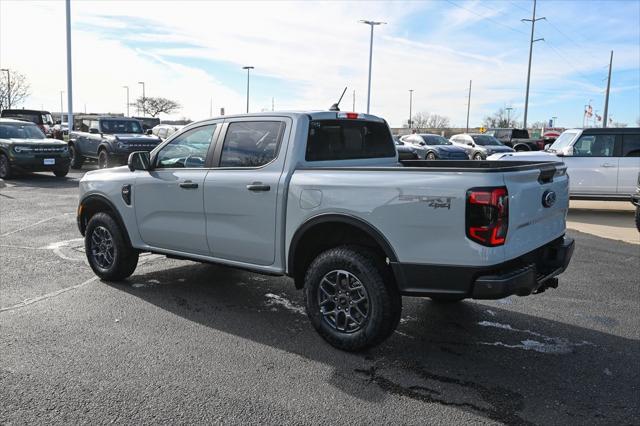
(94, 130)
(149, 132)
(470, 143)
(139, 160)
(423, 143)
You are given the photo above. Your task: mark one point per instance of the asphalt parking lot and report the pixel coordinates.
(183, 342)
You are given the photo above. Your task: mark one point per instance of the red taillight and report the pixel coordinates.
(488, 215)
(541, 144)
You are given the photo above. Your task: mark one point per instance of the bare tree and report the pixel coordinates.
(425, 120)
(16, 90)
(501, 119)
(156, 105)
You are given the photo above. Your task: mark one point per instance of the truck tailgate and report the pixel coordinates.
(538, 205)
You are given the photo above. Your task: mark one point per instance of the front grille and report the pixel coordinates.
(46, 149)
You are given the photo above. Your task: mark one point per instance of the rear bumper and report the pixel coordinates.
(531, 273)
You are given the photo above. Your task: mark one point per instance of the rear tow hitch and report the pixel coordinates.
(549, 283)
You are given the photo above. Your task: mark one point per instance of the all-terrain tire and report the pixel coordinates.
(76, 157)
(62, 172)
(5, 167)
(384, 300)
(104, 159)
(124, 258)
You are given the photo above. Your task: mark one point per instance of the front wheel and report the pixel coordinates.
(349, 301)
(62, 172)
(477, 156)
(109, 254)
(431, 156)
(5, 167)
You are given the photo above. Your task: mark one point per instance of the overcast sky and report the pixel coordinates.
(305, 53)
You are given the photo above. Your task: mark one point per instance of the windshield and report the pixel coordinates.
(20, 131)
(120, 126)
(563, 141)
(435, 140)
(485, 140)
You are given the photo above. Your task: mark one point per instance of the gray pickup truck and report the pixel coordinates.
(109, 140)
(322, 198)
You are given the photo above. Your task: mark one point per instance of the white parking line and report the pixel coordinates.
(28, 302)
(32, 225)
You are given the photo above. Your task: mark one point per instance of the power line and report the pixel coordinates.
(562, 33)
(485, 17)
(519, 7)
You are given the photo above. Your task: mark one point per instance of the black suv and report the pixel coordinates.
(109, 140)
(518, 139)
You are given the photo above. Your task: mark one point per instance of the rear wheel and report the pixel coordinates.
(76, 158)
(109, 254)
(477, 156)
(5, 167)
(349, 299)
(520, 148)
(431, 156)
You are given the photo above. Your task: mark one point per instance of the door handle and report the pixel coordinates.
(608, 165)
(188, 185)
(258, 187)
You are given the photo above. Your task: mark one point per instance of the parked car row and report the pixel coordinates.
(464, 146)
(603, 164)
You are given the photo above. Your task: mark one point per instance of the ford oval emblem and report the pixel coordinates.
(548, 198)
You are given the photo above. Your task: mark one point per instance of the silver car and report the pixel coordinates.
(479, 146)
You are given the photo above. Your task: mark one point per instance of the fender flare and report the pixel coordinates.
(101, 199)
(364, 226)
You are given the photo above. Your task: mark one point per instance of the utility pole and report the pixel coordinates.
(371, 24)
(533, 26)
(144, 100)
(127, 87)
(8, 87)
(606, 98)
(508, 116)
(410, 108)
(354, 101)
(248, 68)
(468, 105)
(69, 79)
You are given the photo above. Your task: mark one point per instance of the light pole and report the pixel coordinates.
(508, 116)
(144, 106)
(127, 87)
(69, 77)
(410, 107)
(371, 24)
(533, 26)
(469, 105)
(8, 87)
(61, 109)
(248, 68)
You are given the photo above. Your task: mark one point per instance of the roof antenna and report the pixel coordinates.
(336, 107)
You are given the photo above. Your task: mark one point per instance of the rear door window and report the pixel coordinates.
(631, 145)
(251, 143)
(348, 140)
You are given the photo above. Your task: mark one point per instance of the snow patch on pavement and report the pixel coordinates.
(275, 300)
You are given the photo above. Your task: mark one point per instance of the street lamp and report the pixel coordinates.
(410, 107)
(8, 87)
(508, 109)
(371, 24)
(61, 109)
(144, 110)
(127, 87)
(248, 68)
